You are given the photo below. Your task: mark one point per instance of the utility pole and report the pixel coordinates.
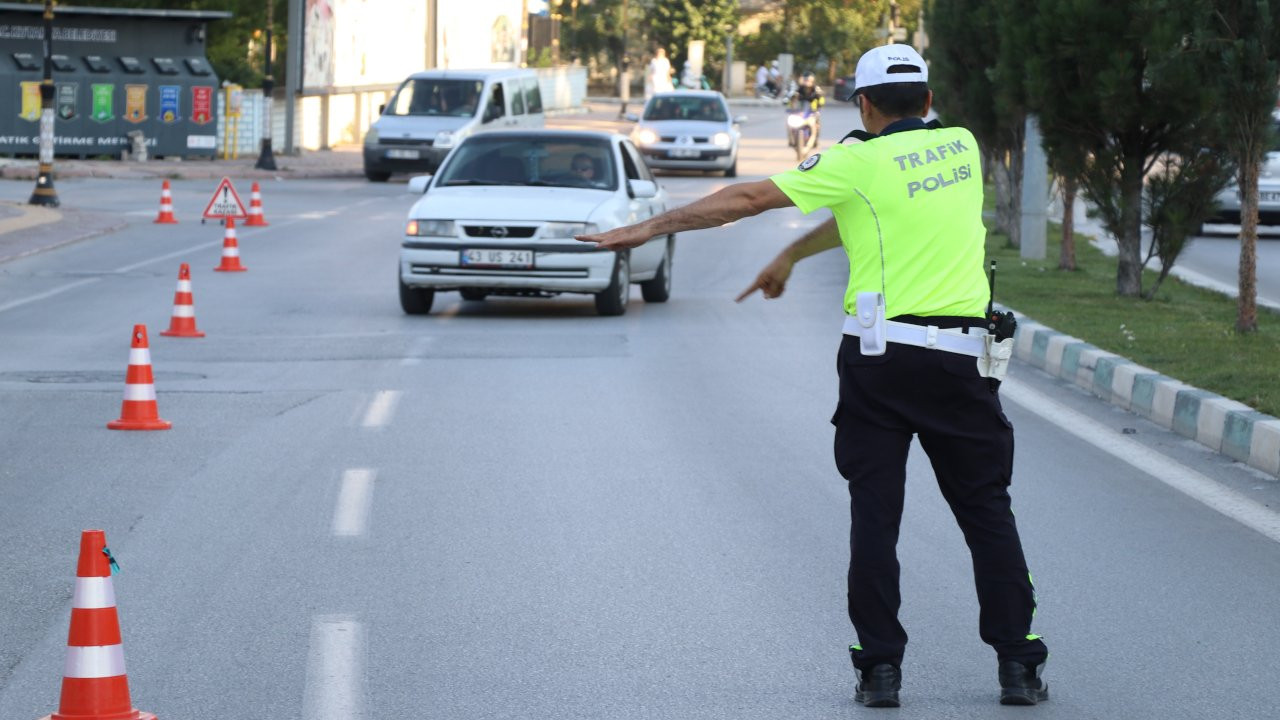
(267, 161)
(44, 193)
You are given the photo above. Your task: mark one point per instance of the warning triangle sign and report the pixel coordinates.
(225, 202)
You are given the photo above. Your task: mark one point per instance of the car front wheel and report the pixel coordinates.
(659, 288)
(416, 301)
(612, 300)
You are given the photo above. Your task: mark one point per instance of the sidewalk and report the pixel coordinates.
(342, 162)
(29, 229)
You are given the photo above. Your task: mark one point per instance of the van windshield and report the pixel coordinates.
(434, 96)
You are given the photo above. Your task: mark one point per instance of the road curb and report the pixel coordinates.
(1221, 424)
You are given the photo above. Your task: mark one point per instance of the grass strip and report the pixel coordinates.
(1184, 332)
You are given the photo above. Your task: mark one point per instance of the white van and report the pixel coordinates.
(433, 110)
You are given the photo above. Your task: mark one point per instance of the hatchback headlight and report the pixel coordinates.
(646, 137)
(431, 228)
(565, 231)
(721, 139)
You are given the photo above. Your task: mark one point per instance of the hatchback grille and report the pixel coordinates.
(673, 138)
(499, 231)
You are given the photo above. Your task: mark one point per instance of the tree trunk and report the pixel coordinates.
(1008, 202)
(1067, 258)
(1247, 305)
(1129, 266)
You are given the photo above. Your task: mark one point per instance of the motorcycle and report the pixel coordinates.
(803, 126)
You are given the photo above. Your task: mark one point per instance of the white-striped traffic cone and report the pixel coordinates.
(139, 411)
(166, 207)
(256, 218)
(94, 683)
(230, 250)
(183, 322)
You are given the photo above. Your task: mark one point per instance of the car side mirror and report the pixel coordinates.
(382, 109)
(418, 184)
(631, 117)
(740, 119)
(642, 188)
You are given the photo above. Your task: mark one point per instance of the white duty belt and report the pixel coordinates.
(926, 336)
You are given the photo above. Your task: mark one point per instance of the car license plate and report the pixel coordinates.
(403, 154)
(1269, 197)
(516, 259)
(685, 153)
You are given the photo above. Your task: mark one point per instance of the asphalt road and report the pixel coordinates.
(517, 509)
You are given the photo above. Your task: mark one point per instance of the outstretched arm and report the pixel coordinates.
(772, 281)
(719, 208)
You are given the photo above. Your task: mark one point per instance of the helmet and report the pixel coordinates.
(774, 64)
(807, 79)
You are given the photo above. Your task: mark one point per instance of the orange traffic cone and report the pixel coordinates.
(139, 411)
(94, 683)
(230, 250)
(255, 209)
(166, 207)
(183, 322)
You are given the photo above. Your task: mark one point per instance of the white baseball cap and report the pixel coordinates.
(873, 66)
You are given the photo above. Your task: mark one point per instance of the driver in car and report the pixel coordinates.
(584, 169)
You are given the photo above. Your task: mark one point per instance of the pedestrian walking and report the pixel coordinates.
(918, 358)
(657, 76)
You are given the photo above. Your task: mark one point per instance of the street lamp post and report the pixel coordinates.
(44, 193)
(266, 160)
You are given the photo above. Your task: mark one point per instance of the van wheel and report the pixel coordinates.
(658, 289)
(376, 176)
(612, 300)
(475, 294)
(416, 301)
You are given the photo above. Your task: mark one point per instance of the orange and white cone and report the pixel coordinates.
(94, 683)
(183, 322)
(230, 250)
(166, 207)
(139, 411)
(255, 209)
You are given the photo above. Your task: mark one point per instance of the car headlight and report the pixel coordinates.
(721, 139)
(431, 228)
(646, 137)
(795, 121)
(371, 137)
(444, 138)
(565, 231)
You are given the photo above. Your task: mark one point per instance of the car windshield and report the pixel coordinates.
(537, 161)
(674, 107)
(432, 96)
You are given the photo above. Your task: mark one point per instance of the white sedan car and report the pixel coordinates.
(500, 216)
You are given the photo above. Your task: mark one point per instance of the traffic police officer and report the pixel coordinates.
(915, 359)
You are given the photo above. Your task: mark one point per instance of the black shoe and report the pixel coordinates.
(1021, 684)
(879, 687)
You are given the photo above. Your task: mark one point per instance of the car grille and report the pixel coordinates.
(414, 142)
(673, 138)
(499, 231)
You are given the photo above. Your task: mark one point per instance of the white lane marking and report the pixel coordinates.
(169, 256)
(334, 688)
(413, 357)
(351, 513)
(1177, 476)
(48, 293)
(381, 408)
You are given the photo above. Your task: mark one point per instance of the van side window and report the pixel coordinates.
(497, 108)
(517, 98)
(532, 95)
(629, 165)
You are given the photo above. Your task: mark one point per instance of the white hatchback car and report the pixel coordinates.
(688, 130)
(500, 217)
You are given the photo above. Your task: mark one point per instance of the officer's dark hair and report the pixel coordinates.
(899, 99)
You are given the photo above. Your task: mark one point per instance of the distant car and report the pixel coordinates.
(434, 110)
(688, 130)
(1268, 188)
(501, 215)
(843, 90)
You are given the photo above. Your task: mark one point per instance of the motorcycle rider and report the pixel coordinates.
(807, 92)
